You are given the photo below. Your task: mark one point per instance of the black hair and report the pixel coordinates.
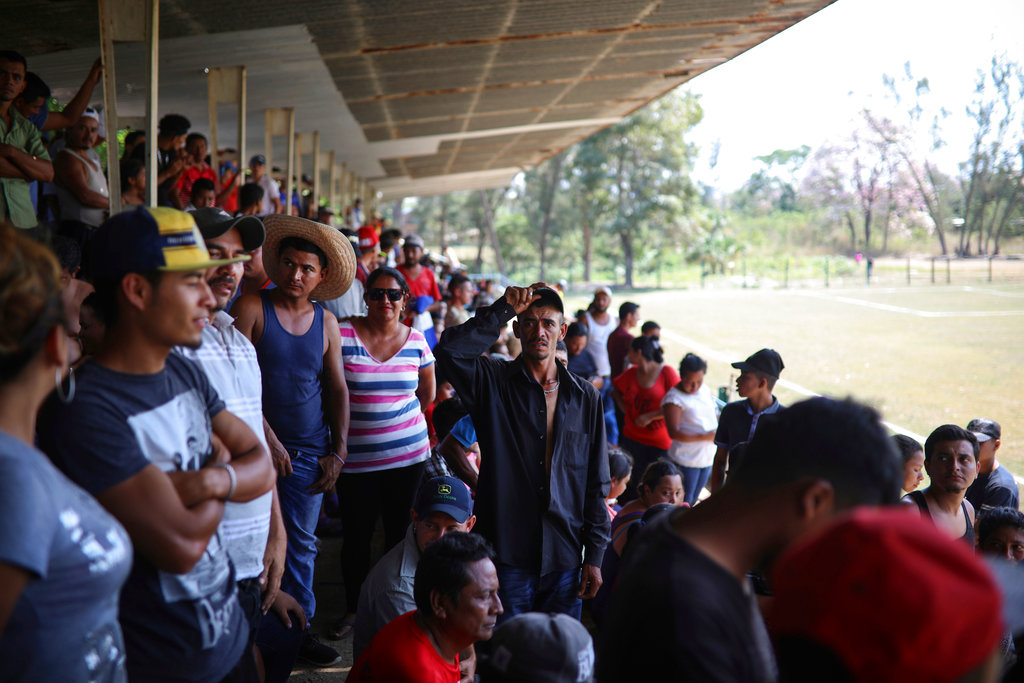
(801, 659)
(456, 282)
(130, 168)
(649, 348)
(841, 441)
(69, 254)
(248, 195)
(650, 514)
(34, 88)
(649, 326)
(992, 519)
(90, 303)
(442, 567)
(576, 330)
(12, 56)
(389, 237)
(106, 305)
(195, 136)
(383, 271)
(203, 185)
(446, 414)
(620, 463)
(906, 446)
(133, 136)
(691, 362)
(300, 244)
(654, 473)
(174, 125)
(627, 308)
(949, 433)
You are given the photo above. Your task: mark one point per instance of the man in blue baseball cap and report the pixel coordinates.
(442, 505)
(271, 190)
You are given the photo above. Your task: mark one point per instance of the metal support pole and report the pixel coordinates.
(315, 199)
(908, 270)
(947, 271)
(281, 122)
(226, 85)
(123, 21)
(332, 184)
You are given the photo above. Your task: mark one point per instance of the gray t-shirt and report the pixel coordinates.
(64, 624)
(176, 626)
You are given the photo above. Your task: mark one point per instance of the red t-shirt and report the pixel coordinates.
(424, 285)
(188, 178)
(402, 653)
(640, 400)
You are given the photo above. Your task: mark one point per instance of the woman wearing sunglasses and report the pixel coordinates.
(63, 558)
(390, 374)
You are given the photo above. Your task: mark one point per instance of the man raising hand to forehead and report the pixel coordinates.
(544, 471)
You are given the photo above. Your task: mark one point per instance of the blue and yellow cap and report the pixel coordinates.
(147, 239)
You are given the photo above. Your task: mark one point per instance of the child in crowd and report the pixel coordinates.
(691, 416)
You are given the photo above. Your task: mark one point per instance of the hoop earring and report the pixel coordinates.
(70, 395)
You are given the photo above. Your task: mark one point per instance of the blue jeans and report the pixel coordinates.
(521, 591)
(300, 510)
(694, 479)
(611, 425)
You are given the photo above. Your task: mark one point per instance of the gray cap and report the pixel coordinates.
(984, 429)
(540, 648)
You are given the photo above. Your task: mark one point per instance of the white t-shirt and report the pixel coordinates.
(597, 342)
(270, 190)
(700, 415)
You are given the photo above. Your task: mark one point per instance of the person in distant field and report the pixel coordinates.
(600, 324)
(271, 201)
(1000, 533)
(739, 420)
(442, 506)
(650, 329)
(691, 417)
(619, 339)
(951, 460)
(995, 485)
(683, 589)
(23, 157)
(457, 605)
(913, 460)
(885, 597)
(544, 474)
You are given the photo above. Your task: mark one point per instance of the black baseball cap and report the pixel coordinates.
(984, 429)
(444, 494)
(214, 221)
(767, 361)
(548, 297)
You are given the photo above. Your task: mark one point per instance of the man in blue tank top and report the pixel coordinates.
(305, 399)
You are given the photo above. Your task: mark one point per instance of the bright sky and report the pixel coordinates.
(806, 85)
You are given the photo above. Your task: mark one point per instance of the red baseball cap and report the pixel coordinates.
(368, 237)
(891, 595)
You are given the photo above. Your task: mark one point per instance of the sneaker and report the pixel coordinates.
(312, 651)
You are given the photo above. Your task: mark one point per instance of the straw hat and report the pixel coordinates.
(341, 259)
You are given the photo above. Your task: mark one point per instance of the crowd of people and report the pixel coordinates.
(182, 386)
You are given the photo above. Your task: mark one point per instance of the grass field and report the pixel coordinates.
(923, 356)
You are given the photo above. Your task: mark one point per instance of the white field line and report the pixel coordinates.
(910, 311)
(994, 292)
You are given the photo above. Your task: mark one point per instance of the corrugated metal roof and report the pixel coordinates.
(416, 97)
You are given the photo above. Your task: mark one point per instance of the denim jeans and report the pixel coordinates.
(300, 510)
(522, 590)
(611, 424)
(694, 479)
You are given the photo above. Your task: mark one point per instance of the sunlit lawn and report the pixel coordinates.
(964, 362)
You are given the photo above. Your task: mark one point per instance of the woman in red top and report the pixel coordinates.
(638, 392)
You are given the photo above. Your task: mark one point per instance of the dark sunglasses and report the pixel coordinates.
(378, 294)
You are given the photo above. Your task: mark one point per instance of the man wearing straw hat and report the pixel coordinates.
(305, 399)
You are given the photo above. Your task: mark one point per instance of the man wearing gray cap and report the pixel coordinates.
(995, 487)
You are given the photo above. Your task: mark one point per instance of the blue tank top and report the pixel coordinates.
(291, 366)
